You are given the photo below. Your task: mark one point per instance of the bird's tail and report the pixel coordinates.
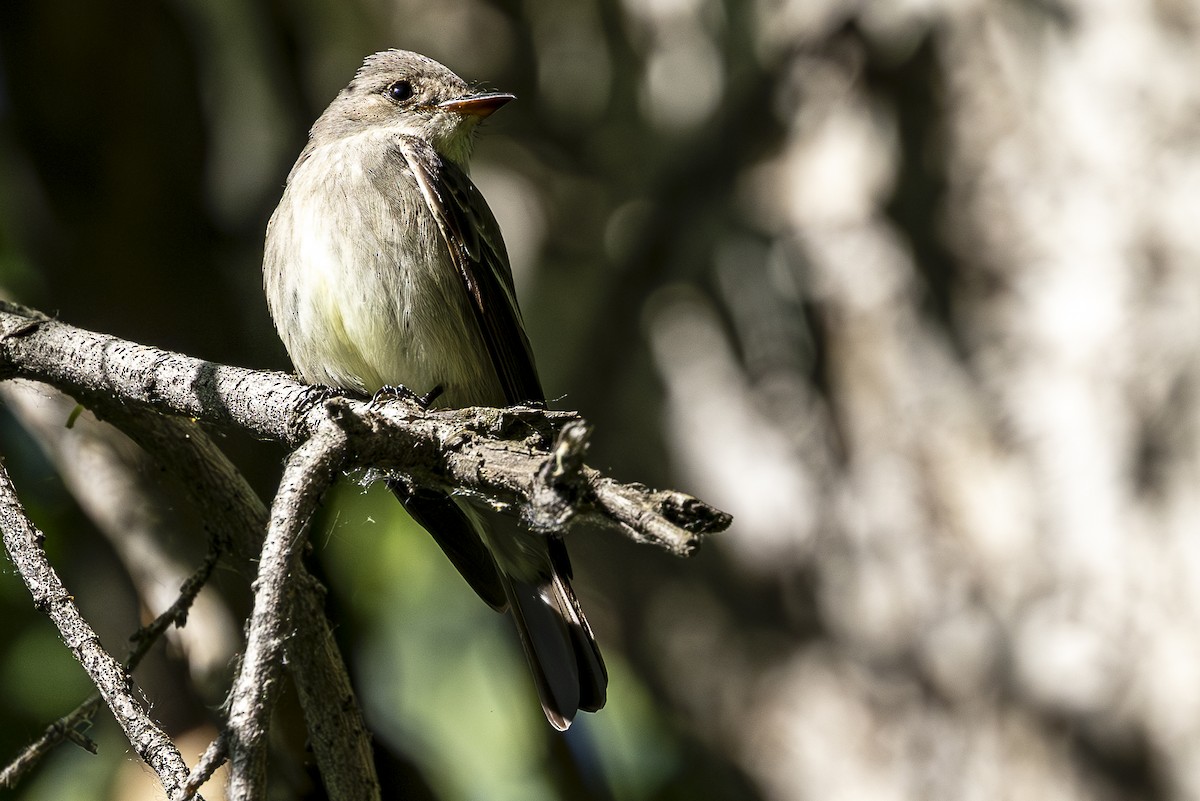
(531, 575)
(562, 652)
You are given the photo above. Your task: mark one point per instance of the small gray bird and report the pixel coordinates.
(384, 266)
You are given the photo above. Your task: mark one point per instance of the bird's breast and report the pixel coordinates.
(360, 283)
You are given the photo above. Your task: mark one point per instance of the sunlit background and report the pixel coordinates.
(910, 288)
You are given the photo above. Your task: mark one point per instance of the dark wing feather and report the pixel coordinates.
(452, 530)
(476, 248)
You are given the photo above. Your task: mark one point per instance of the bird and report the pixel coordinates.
(384, 267)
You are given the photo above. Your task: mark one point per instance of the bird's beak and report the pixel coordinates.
(480, 105)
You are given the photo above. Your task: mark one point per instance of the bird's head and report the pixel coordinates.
(413, 95)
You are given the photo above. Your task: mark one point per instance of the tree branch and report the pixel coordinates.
(235, 515)
(67, 727)
(235, 518)
(494, 453)
(23, 542)
(309, 472)
(531, 460)
(108, 476)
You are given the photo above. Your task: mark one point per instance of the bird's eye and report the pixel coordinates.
(400, 91)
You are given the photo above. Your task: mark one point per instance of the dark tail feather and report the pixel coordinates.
(593, 676)
(548, 649)
(459, 539)
(566, 664)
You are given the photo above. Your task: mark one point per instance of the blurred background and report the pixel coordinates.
(909, 287)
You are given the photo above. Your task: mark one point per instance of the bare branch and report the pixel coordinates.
(531, 460)
(472, 450)
(236, 516)
(236, 519)
(23, 542)
(309, 472)
(670, 520)
(337, 732)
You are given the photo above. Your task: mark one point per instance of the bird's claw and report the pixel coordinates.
(401, 392)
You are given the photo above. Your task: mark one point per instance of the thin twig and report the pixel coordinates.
(54, 734)
(174, 615)
(213, 757)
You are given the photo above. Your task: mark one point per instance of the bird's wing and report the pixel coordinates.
(477, 252)
(558, 642)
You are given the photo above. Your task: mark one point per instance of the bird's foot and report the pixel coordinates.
(401, 392)
(326, 393)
